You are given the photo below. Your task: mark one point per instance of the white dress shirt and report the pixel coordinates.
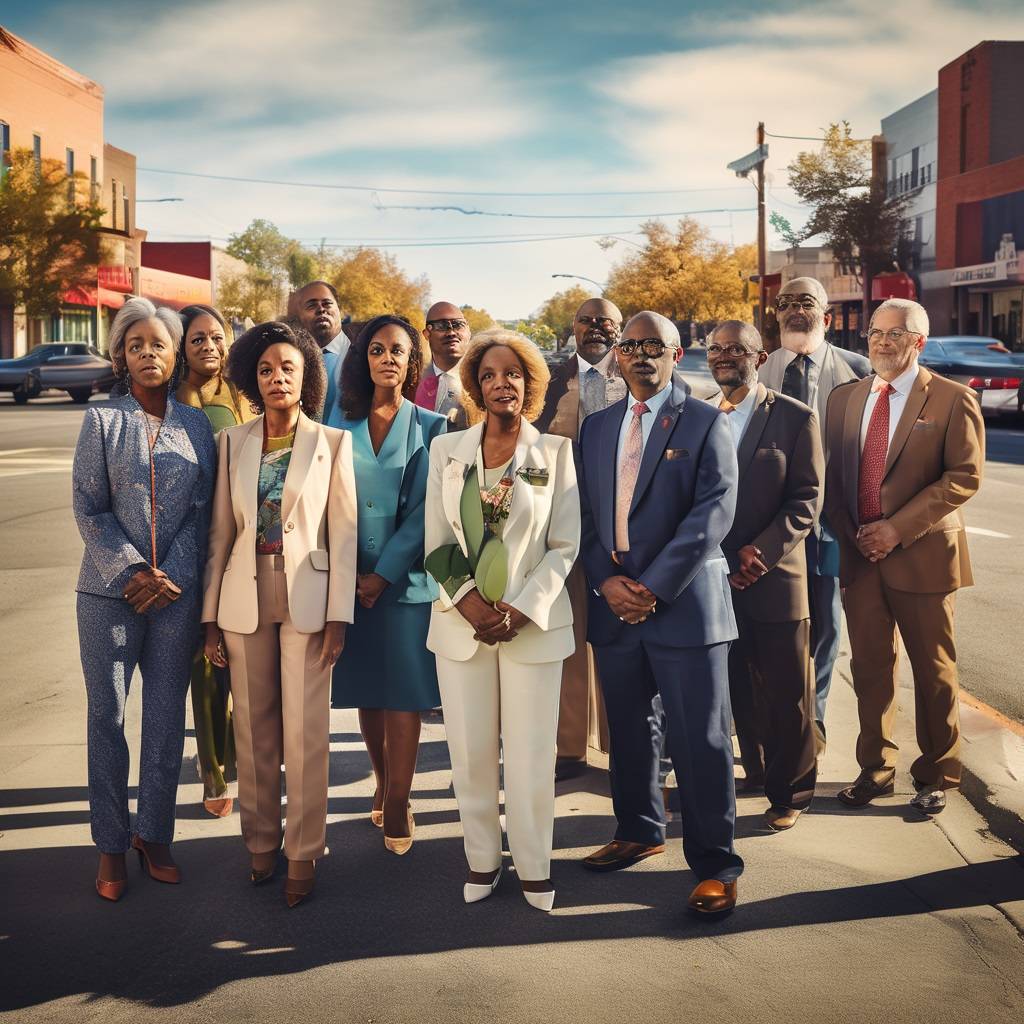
(897, 400)
(817, 357)
(448, 383)
(740, 416)
(339, 345)
(654, 404)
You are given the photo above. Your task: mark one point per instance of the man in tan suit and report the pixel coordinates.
(904, 449)
(781, 472)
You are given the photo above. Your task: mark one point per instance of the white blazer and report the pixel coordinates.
(541, 535)
(318, 513)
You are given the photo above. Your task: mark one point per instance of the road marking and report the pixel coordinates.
(988, 533)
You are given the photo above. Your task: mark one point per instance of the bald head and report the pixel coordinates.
(648, 324)
(644, 372)
(447, 334)
(803, 315)
(806, 286)
(596, 328)
(316, 306)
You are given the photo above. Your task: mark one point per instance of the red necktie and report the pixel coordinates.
(872, 460)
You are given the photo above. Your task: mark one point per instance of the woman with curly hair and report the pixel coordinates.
(142, 482)
(502, 533)
(280, 588)
(202, 356)
(386, 671)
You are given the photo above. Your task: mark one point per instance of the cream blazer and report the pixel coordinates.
(318, 512)
(541, 535)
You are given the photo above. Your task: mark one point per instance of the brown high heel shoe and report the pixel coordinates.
(402, 844)
(111, 890)
(161, 872)
(259, 874)
(220, 806)
(297, 889)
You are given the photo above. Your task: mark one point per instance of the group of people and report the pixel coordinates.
(594, 557)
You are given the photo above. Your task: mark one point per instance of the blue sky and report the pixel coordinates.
(461, 96)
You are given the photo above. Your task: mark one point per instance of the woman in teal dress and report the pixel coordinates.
(385, 669)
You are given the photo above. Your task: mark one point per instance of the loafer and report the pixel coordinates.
(864, 790)
(712, 898)
(619, 854)
(929, 800)
(569, 768)
(779, 819)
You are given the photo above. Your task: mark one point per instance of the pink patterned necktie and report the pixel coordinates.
(629, 469)
(872, 460)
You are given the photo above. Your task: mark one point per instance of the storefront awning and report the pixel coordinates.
(893, 286)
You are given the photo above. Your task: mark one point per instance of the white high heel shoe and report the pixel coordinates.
(474, 892)
(541, 900)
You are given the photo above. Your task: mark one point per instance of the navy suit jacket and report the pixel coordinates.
(682, 510)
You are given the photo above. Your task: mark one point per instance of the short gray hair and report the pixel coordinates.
(671, 332)
(915, 315)
(134, 310)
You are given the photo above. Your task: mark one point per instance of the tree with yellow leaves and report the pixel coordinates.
(560, 310)
(370, 282)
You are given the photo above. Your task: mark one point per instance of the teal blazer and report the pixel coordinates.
(401, 560)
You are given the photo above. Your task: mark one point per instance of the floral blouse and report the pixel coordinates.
(273, 470)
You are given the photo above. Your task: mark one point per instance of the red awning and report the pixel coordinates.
(87, 297)
(117, 278)
(892, 286)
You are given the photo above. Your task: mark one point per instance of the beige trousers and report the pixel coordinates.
(490, 700)
(281, 714)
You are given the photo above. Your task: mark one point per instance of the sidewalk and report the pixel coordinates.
(871, 915)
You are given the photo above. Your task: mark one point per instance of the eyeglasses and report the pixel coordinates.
(803, 301)
(736, 351)
(653, 348)
(595, 321)
(446, 325)
(893, 334)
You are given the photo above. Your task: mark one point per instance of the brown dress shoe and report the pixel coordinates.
(779, 819)
(112, 891)
(157, 862)
(620, 854)
(713, 898)
(864, 790)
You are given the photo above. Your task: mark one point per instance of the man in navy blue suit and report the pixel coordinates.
(658, 481)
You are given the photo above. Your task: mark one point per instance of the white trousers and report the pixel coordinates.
(491, 699)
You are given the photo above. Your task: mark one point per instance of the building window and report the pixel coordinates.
(94, 181)
(127, 219)
(5, 148)
(963, 136)
(37, 153)
(113, 203)
(915, 164)
(69, 168)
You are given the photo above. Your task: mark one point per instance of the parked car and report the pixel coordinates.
(74, 367)
(984, 364)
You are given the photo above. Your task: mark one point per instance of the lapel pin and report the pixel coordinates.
(665, 421)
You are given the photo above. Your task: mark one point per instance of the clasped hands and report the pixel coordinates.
(630, 600)
(492, 623)
(751, 569)
(150, 589)
(331, 645)
(369, 587)
(876, 540)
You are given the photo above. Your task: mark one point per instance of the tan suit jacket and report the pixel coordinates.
(782, 470)
(933, 466)
(318, 512)
(541, 536)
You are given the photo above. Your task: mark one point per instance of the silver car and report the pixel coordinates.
(984, 364)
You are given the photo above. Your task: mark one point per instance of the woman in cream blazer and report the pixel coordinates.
(499, 662)
(279, 590)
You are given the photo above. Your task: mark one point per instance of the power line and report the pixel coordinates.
(569, 216)
(343, 187)
(807, 138)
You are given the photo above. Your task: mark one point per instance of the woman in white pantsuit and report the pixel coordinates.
(499, 661)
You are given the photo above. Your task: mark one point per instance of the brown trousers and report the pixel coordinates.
(281, 714)
(581, 716)
(874, 611)
(771, 686)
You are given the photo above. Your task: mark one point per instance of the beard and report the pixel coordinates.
(802, 340)
(891, 364)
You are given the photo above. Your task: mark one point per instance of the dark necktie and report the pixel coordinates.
(794, 380)
(872, 460)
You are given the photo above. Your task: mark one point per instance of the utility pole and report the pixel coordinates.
(762, 256)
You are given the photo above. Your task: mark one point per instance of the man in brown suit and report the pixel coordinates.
(586, 382)
(904, 449)
(781, 472)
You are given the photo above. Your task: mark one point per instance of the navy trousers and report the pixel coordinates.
(693, 683)
(113, 639)
(826, 612)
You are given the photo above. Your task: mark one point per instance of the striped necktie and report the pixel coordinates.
(629, 470)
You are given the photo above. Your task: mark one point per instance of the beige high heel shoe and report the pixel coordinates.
(403, 843)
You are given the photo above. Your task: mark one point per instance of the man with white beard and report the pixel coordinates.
(807, 368)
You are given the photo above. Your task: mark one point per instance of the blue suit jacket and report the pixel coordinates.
(401, 561)
(111, 494)
(682, 510)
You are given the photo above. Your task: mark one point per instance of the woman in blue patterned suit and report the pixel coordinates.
(385, 670)
(142, 481)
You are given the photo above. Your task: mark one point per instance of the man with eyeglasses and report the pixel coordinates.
(807, 368)
(905, 450)
(586, 382)
(657, 476)
(781, 472)
(440, 390)
(317, 309)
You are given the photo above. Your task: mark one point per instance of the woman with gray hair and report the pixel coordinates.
(142, 483)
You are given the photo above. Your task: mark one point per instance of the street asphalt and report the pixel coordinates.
(860, 916)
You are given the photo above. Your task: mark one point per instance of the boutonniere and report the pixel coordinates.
(534, 477)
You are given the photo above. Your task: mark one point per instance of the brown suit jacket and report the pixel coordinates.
(561, 412)
(934, 465)
(782, 470)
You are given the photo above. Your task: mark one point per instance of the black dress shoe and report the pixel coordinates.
(929, 799)
(569, 768)
(863, 791)
(750, 784)
(620, 854)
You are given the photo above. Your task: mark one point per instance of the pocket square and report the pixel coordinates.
(923, 423)
(677, 453)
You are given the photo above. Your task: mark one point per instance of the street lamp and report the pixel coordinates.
(580, 277)
(755, 161)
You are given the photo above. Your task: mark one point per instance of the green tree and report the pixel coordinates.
(540, 334)
(850, 208)
(263, 246)
(478, 319)
(47, 244)
(370, 282)
(253, 294)
(559, 311)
